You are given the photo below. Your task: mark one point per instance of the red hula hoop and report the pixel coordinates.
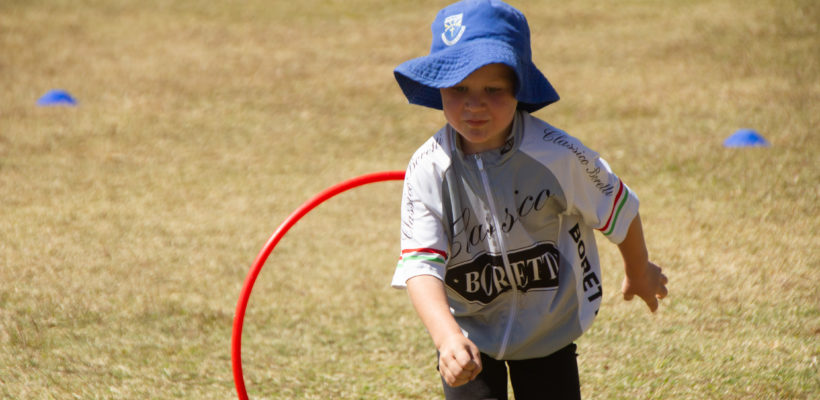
(236, 339)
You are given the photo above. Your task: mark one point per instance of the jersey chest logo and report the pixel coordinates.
(484, 278)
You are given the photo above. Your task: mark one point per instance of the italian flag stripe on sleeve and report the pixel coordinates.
(617, 206)
(434, 255)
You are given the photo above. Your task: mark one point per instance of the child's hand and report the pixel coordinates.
(649, 285)
(459, 360)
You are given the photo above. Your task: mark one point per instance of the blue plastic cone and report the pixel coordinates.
(56, 97)
(745, 138)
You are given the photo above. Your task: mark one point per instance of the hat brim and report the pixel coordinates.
(421, 78)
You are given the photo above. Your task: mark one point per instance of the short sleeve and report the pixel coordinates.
(424, 242)
(592, 190)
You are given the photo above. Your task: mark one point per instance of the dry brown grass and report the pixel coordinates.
(128, 223)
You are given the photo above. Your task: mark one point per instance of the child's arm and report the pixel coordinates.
(643, 278)
(459, 358)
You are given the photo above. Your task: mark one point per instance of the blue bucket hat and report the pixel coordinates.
(467, 36)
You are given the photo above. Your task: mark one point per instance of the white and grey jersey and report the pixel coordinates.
(510, 233)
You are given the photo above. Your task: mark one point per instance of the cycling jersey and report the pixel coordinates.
(510, 233)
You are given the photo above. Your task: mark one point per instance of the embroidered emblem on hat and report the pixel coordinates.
(453, 29)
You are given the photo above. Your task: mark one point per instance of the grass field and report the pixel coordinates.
(128, 223)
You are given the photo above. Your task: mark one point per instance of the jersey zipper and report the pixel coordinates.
(503, 250)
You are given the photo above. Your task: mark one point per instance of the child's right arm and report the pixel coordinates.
(459, 358)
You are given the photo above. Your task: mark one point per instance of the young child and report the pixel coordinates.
(498, 211)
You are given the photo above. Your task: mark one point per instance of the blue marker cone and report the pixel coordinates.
(56, 97)
(745, 138)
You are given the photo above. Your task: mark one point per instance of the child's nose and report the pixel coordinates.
(474, 101)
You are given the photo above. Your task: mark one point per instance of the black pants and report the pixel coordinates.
(552, 377)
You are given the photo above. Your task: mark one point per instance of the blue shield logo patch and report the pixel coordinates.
(453, 29)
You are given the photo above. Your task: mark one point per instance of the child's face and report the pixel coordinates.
(481, 107)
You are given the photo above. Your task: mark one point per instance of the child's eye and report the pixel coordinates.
(492, 90)
(460, 89)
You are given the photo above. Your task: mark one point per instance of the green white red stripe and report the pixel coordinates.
(617, 206)
(433, 255)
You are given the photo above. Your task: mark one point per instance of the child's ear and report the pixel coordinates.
(513, 80)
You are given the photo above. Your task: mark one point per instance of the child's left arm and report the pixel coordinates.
(643, 278)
